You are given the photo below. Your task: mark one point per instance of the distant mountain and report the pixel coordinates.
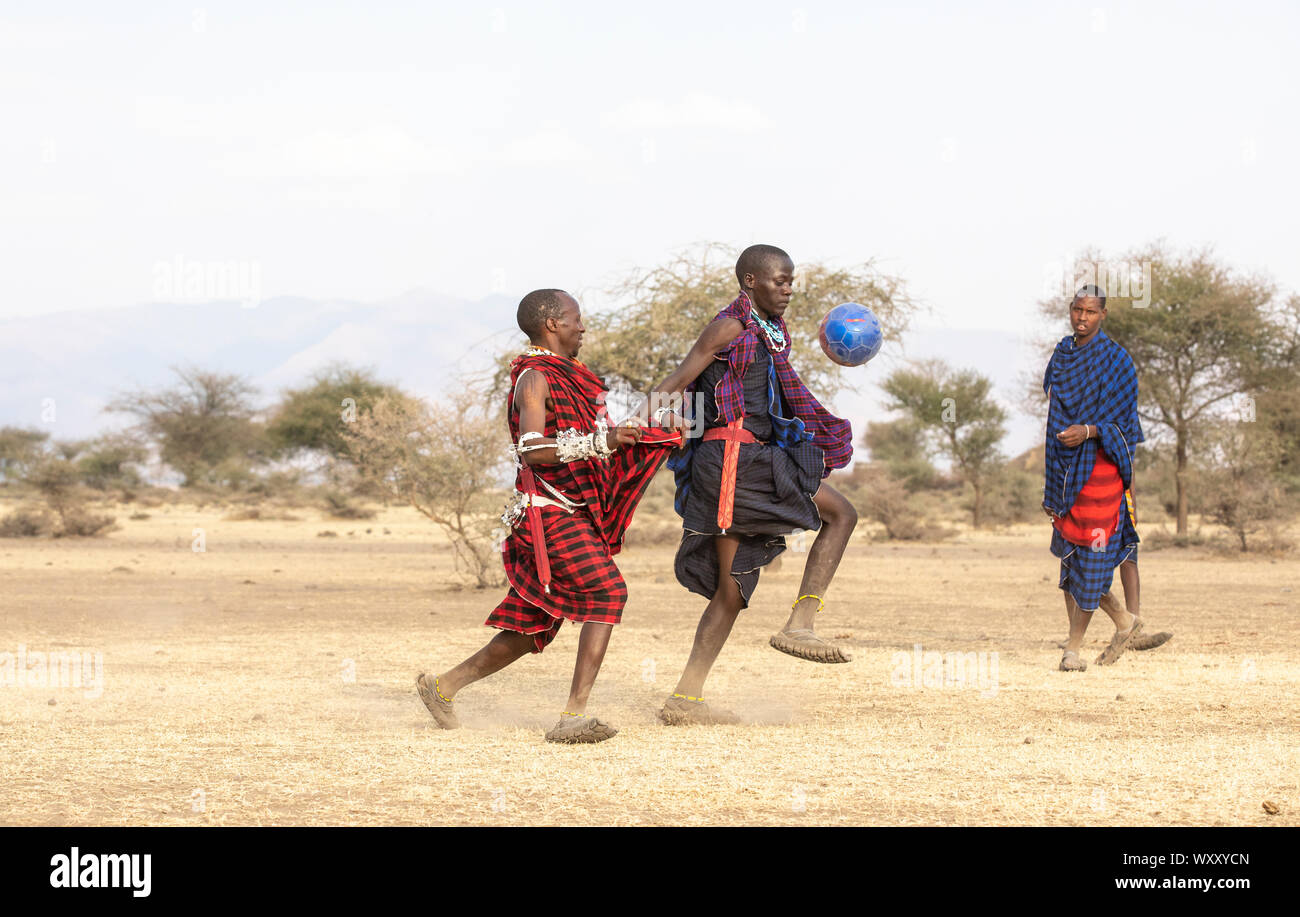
(82, 359)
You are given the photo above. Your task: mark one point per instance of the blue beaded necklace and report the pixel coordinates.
(774, 333)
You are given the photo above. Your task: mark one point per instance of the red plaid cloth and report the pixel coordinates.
(610, 489)
(833, 434)
(585, 583)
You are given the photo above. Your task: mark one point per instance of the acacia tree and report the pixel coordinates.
(1209, 337)
(1242, 493)
(899, 446)
(661, 311)
(958, 418)
(110, 461)
(57, 479)
(19, 448)
(447, 461)
(1277, 403)
(204, 425)
(313, 418)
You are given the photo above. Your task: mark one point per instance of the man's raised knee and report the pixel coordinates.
(850, 515)
(728, 591)
(841, 514)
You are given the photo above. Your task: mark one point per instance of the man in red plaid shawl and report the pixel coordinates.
(755, 476)
(579, 481)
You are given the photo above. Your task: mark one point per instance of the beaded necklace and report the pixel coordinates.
(774, 334)
(532, 350)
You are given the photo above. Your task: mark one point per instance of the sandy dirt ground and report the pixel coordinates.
(269, 679)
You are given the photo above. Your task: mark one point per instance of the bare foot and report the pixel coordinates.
(580, 730)
(805, 644)
(439, 706)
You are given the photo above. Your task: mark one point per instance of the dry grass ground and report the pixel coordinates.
(269, 680)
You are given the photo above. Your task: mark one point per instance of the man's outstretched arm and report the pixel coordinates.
(715, 337)
(530, 399)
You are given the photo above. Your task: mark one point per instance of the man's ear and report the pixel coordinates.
(747, 282)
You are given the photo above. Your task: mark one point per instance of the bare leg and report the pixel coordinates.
(716, 622)
(500, 651)
(436, 691)
(1128, 624)
(798, 637)
(1122, 619)
(592, 643)
(1079, 621)
(1128, 575)
(687, 706)
(575, 727)
(838, 521)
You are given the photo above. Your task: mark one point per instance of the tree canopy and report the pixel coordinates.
(204, 425)
(314, 417)
(1207, 341)
(957, 417)
(661, 311)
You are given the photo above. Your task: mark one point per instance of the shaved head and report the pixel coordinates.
(1091, 291)
(753, 259)
(536, 308)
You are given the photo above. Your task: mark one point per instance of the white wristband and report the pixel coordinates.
(572, 446)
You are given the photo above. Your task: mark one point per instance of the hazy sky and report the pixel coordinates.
(359, 150)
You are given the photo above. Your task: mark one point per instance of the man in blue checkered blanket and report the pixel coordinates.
(1092, 431)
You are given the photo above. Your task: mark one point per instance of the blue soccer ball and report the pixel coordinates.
(850, 334)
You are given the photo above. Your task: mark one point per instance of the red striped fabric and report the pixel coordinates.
(560, 565)
(1094, 517)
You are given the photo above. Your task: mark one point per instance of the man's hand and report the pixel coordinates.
(1051, 515)
(1073, 435)
(625, 434)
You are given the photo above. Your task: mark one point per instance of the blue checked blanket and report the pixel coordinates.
(1097, 385)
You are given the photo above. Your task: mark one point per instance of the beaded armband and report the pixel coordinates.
(572, 446)
(600, 442)
(525, 438)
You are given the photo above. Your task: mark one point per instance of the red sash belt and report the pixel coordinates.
(733, 434)
(534, 514)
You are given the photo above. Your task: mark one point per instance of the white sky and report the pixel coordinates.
(359, 150)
